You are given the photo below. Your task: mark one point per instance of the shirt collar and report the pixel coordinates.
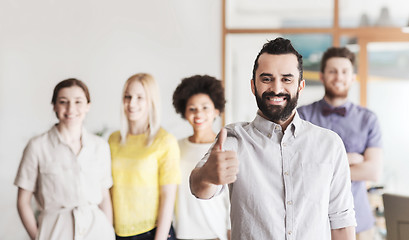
(56, 137)
(295, 124)
(267, 127)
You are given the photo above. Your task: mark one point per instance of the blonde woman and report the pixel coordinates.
(68, 170)
(145, 165)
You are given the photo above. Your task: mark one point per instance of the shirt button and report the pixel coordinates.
(289, 232)
(277, 128)
(290, 202)
(284, 144)
(269, 135)
(286, 173)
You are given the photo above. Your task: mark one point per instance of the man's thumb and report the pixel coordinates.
(220, 140)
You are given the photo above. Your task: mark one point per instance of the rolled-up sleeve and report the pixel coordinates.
(27, 172)
(341, 205)
(169, 166)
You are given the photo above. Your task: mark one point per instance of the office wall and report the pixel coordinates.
(102, 43)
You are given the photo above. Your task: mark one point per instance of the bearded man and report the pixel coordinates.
(357, 126)
(288, 179)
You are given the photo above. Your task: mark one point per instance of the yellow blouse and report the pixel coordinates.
(138, 171)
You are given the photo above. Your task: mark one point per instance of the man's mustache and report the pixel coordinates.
(273, 94)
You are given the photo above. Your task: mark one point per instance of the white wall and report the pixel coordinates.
(101, 42)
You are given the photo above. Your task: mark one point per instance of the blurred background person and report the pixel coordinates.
(199, 100)
(357, 126)
(145, 165)
(68, 170)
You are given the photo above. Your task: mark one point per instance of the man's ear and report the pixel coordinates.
(321, 77)
(301, 85)
(252, 87)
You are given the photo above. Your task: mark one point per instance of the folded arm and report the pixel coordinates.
(369, 168)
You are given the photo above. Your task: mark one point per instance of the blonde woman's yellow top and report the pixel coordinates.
(138, 172)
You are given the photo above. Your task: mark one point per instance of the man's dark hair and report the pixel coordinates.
(279, 46)
(198, 84)
(342, 52)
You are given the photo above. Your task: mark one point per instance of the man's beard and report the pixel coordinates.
(273, 112)
(330, 93)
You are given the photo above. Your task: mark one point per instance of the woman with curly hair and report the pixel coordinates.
(199, 100)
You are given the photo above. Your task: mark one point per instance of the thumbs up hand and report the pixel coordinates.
(222, 166)
(218, 146)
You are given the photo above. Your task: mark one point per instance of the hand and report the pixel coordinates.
(221, 166)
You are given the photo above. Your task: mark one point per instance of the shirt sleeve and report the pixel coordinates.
(374, 134)
(341, 207)
(27, 172)
(169, 168)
